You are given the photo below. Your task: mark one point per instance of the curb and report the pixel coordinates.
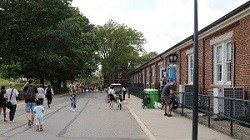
(149, 135)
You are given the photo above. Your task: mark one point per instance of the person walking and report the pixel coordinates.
(166, 91)
(111, 94)
(41, 93)
(11, 94)
(123, 93)
(39, 111)
(30, 92)
(73, 99)
(3, 102)
(49, 93)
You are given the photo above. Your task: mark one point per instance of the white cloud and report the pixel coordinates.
(164, 23)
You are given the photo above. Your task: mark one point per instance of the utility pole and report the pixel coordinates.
(196, 75)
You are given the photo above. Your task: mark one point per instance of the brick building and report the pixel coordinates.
(224, 60)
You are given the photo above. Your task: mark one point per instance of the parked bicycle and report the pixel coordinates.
(174, 104)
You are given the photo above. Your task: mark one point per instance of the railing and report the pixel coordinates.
(228, 115)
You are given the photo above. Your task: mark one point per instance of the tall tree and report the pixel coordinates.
(118, 44)
(47, 38)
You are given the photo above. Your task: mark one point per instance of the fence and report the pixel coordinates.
(228, 115)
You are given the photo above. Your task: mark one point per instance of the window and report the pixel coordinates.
(228, 60)
(190, 68)
(148, 76)
(222, 66)
(143, 77)
(153, 74)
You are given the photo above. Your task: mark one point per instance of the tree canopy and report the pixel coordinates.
(46, 39)
(51, 40)
(119, 45)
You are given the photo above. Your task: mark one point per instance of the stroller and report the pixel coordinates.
(145, 101)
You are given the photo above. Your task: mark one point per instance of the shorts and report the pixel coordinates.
(111, 97)
(30, 107)
(165, 100)
(39, 121)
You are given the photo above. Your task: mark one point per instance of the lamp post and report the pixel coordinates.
(196, 75)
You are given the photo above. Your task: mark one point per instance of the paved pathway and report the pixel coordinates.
(159, 127)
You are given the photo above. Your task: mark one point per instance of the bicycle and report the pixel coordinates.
(174, 104)
(145, 101)
(107, 99)
(118, 100)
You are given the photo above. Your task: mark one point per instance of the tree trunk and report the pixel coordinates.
(64, 83)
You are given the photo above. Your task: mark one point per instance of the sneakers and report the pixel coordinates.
(30, 123)
(74, 110)
(169, 115)
(71, 109)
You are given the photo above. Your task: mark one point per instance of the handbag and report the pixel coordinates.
(9, 104)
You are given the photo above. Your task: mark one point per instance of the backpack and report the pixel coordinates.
(48, 92)
(30, 94)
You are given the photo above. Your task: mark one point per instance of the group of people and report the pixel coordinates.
(8, 95)
(34, 98)
(112, 95)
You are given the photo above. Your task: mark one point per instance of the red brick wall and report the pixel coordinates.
(184, 66)
(242, 47)
(241, 39)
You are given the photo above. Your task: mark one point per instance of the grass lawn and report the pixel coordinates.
(18, 85)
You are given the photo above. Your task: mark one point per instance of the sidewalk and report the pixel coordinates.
(159, 127)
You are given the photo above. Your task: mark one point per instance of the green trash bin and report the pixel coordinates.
(153, 94)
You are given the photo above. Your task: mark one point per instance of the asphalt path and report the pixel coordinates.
(92, 120)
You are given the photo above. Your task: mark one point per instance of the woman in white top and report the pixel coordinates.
(40, 94)
(111, 94)
(11, 94)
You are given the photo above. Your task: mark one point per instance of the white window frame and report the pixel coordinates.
(222, 41)
(222, 59)
(148, 76)
(153, 74)
(190, 68)
(190, 54)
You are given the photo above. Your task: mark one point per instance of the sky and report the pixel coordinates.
(163, 23)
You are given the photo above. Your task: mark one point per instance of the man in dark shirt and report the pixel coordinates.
(30, 101)
(166, 91)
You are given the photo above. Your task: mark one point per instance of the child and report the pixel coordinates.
(39, 110)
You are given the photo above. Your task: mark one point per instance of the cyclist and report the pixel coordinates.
(111, 93)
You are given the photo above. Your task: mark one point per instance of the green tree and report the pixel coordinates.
(49, 39)
(118, 44)
(144, 58)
